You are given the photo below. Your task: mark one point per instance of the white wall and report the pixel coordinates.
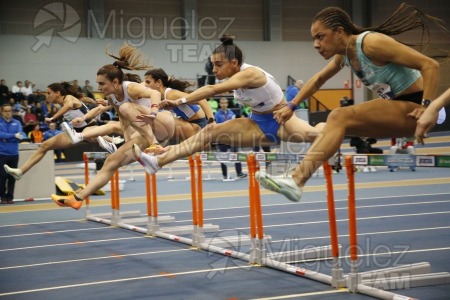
(64, 60)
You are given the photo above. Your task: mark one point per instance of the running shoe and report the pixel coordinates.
(75, 137)
(149, 162)
(117, 140)
(154, 149)
(283, 184)
(67, 201)
(108, 146)
(16, 173)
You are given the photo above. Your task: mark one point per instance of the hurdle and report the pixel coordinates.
(375, 283)
(371, 283)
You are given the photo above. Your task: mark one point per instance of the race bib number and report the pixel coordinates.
(382, 89)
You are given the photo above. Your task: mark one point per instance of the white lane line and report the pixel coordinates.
(52, 288)
(303, 295)
(91, 259)
(74, 243)
(40, 223)
(53, 232)
(366, 233)
(346, 220)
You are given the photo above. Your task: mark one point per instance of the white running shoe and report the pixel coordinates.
(75, 137)
(117, 140)
(16, 173)
(149, 162)
(108, 146)
(283, 184)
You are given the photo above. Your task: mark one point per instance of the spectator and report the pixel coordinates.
(213, 104)
(222, 115)
(88, 89)
(27, 91)
(36, 135)
(76, 86)
(16, 91)
(15, 105)
(39, 112)
(293, 90)
(47, 107)
(30, 120)
(10, 136)
(17, 116)
(4, 92)
(51, 132)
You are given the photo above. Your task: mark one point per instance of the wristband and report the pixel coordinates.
(183, 100)
(153, 113)
(211, 120)
(426, 102)
(292, 106)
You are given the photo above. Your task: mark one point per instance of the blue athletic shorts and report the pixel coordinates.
(267, 124)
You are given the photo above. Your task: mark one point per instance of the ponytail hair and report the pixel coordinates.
(130, 58)
(229, 49)
(65, 88)
(170, 82)
(132, 77)
(405, 18)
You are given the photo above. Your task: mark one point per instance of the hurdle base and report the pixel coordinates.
(322, 252)
(144, 220)
(130, 213)
(233, 241)
(188, 229)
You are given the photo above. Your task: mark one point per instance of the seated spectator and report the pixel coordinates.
(17, 116)
(27, 91)
(39, 112)
(15, 105)
(16, 92)
(4, 92)
(30, 120)
(36, 135)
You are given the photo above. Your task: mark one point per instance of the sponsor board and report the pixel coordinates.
(425, 161)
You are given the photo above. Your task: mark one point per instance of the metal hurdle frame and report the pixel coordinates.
(370, 283)
(367, 283)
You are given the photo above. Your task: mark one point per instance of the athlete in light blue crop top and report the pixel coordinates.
(252, 86)
(388, 80)
(394, 70)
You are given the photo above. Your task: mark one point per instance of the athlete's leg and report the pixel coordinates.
(112, 127)
(377, 118)
(121, 157)
(60, 141)
(240, 132)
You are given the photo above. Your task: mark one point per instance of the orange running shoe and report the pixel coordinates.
(67, 201)
(155, 149)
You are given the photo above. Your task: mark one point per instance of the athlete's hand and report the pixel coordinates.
(77, 122)
(102, 102)
(48, 120)
(168, 104)
(147, 118)
(283, 114)
(425, 123)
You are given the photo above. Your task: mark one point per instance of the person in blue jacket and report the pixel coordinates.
(10, 137)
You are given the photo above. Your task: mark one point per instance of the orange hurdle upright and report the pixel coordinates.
(337, 279)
